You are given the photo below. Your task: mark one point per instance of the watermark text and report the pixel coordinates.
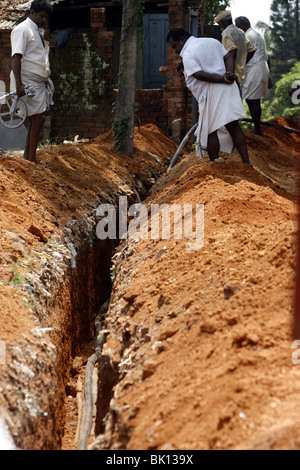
(161, 221)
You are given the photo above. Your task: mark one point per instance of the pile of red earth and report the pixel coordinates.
(199, 347)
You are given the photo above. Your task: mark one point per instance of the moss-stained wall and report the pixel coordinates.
(82, 72)
(5, 57)
(82, 75)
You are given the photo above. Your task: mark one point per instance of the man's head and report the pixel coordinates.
(224, 19)
(40, 11)
(177, 38)
(243, 23)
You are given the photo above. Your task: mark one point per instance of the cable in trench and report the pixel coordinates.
(87, 405)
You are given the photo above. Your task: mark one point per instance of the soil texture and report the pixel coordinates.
(199, 353)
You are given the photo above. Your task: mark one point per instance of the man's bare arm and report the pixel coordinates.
(16, 66)
(229, 60)
(211, 77)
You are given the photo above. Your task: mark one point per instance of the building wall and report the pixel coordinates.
(150, 108)
(83, 77)
(176, 98)
(5, 59)
(82, 72)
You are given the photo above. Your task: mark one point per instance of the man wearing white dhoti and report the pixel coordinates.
(257, 81)
(208, 70)
(30, 66)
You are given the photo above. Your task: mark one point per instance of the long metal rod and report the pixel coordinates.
(183, 142)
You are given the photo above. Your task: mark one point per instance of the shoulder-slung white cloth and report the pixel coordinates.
(259, 43)
(234, 38)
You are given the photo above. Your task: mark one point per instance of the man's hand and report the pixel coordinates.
(229, 78)
(20, 89)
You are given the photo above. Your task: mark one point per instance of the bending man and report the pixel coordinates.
(30, 66)
(208, 70)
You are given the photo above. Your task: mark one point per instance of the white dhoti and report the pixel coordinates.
(222, 105)
(255, 85)
(44, 89)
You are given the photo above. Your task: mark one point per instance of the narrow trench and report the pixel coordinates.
(90, 289)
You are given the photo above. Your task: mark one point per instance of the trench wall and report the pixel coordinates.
(47, 313)
(34, 380)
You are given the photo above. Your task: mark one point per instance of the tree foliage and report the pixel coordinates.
(282, 104)
(285, 37)
(266, 31)
(213, 7)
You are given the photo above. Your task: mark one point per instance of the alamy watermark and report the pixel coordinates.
(161, 221)
(295, 92)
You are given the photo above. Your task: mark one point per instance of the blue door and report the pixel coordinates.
(154, 49)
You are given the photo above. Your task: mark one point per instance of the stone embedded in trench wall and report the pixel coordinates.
(176, 130)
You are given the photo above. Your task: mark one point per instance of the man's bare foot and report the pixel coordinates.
(219, 160)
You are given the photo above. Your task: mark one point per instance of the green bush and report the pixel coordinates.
(281, 104)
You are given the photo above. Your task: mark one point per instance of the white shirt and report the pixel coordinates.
(26, 39)
(202, 54)
(259, 43)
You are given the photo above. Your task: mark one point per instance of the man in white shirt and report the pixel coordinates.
(257, 79)
(208, 71)
(30, 66)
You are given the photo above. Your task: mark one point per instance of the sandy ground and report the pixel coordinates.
(200, 340)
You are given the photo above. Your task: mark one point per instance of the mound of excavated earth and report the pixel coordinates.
(199, 351)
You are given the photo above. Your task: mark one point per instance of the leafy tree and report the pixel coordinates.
(282, 104)
(266, 31)
(208, 10)
(213, 7)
